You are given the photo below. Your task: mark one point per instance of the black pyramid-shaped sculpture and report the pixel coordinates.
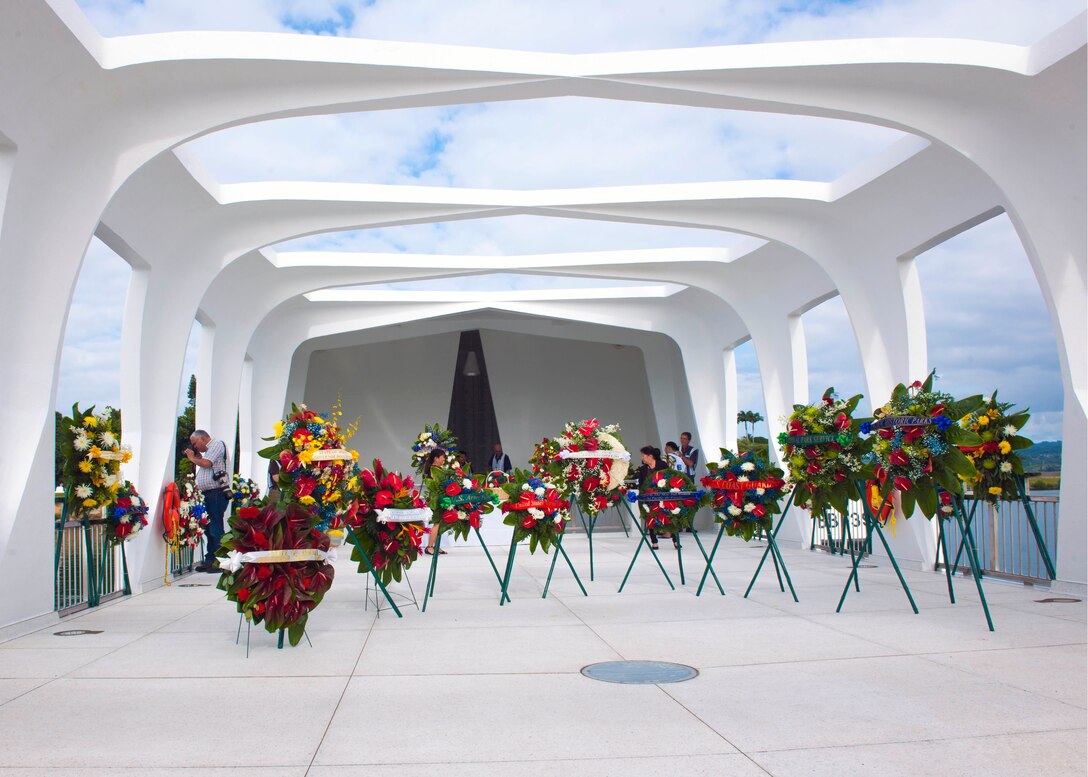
(472, 412)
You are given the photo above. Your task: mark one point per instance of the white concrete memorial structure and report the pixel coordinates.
(88, 131)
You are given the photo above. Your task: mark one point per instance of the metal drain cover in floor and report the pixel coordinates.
(193, 585)
(1058, 600)
(74, 632)
(639, 672)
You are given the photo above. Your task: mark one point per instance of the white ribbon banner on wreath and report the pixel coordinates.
(565, 454)
(404, 515)
(235, 559)
(333, 454)
(111, 455)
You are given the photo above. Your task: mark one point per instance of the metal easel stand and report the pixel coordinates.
(249, 629)
(873, 525)
(776, 555)
(377, 602)
(350, 534)
(551, 569)
(972, 553)
(1021, 487)
(643, 540)
(433, 574)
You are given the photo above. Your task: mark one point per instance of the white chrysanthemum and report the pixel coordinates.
(124, 519)
(81, 442)
(761, 491)
(539, 491)
(103, 417)
(946, 509)
(674, 490)
(526, 487)
(107, 439)
(749, 507)
(83, 491)
(743, 479)
(466, 482)
(1006, 466)
(536, 513)
(675, 511)
(747, 466)
(111, 479)
(734, 510)
(1010, 430)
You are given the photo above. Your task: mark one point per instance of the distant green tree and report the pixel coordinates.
(749, 418)
(186, 426)
(759, 447)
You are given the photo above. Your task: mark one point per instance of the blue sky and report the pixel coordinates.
(973, 284)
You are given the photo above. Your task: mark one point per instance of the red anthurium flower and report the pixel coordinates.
(591, 483)
(450, 516)
(885, 434)
(474, 520)
(811, 486)
(591, 444)
(880, 473)
(834, 446)
(383, 499)
(899, 458)
(902, 483)
(592, 463)
(758, 511)
(936, 411)
(589, 427)
(946, 498)
(601, 502)
(842, 422)
(453, 488)
(813, 469)
(928, 468)
(528, 522)
(839, 477)
(676, 482)
(812, 453)
(304, 486)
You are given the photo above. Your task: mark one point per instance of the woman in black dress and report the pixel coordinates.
(651, 463)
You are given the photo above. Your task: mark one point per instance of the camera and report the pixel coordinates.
(219, 474)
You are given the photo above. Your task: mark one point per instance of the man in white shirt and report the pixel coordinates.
(209, 457)
(688, 454)
(499, 461)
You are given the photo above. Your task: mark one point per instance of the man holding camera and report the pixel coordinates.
(210, 459)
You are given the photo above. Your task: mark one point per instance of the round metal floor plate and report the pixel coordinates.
(639, 672)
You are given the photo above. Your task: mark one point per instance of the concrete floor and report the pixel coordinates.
(469, 688)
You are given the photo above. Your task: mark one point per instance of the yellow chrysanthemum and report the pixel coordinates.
(89, 502)
(85, 466)
(126, 457)
(306, 457)
(355, 455)
(319, 420)
(90, 421)
(316, 445)
(983, 420)
(992, 413)
(94, 452)
(334, 496)
(995, 490)
(1004, 446)
(277, 429)
(353, 483)
(307, 500)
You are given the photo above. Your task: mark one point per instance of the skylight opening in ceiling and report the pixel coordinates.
(512, 236)
(556, 143)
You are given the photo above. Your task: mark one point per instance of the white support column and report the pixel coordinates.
(729, 366)
(204, 378)
(246, 449)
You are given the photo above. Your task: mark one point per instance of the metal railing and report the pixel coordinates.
(836, 534)
(1006, 544)
(88, 569)
(185, 559)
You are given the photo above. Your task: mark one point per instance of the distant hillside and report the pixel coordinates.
(1043, 456)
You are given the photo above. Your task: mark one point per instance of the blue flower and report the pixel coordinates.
(865, 427)
(943, 422)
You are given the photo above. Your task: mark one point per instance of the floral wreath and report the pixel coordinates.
(745, 493)
(276, 566)
(669, 500)
(433, 436)
(92, 456)
(544, 457)
(244, 492)
(389, 523)
(192, 515)
(824, 453)
(535, 507)
(915, 439)
(592, 462)
(458, 500)
(998, 466)
(317, 471)
(127, 516)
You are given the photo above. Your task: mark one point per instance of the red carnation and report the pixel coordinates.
(124, 502)
(248, 513)
(243, 594)
(259, 539)
(258, 608)
(263, 572)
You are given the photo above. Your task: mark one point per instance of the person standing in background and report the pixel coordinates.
(688, 455)
(499, 461)
(209, 456)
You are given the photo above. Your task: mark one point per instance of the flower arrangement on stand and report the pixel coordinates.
(535, 507)
(458, 501)
(244, 492)
(669, 501)
(317, 471)
(745, 492)
(996, 461)
(825, 453)
(389, 524)
(915, 445)
(433, 436)
(192, 515)
(591, 463)
(127, 516)
(91, 451)
(276, 566)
